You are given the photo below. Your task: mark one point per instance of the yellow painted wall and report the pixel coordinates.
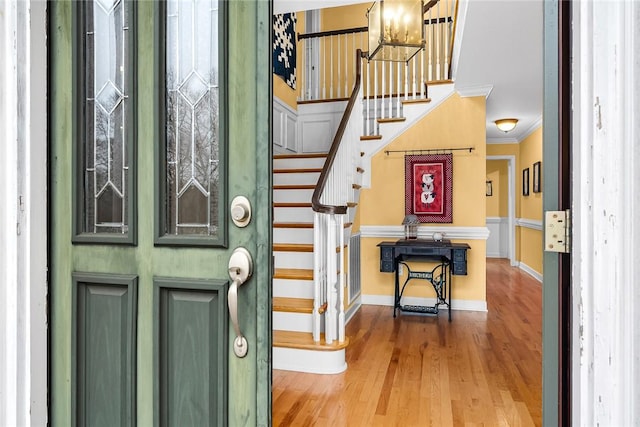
(338, 18)
(497, 203)
(457, 122)
(531, 246)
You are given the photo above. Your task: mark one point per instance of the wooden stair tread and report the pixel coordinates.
(298, 247)
(304, 341)
(298, 170)
(293, 247)
(293, 274)
(356, 186)
(292, 225)
(370, 137)
(300, 156)
(416, 101)
(294, 187)
(392, 120)
(293, 305)
(352, 204)
(292, 205)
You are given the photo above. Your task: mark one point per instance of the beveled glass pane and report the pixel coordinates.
(192, 101)
(106, 168)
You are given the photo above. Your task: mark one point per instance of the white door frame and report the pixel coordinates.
(23, 217)
(511, 206)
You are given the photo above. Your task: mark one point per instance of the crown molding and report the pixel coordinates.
(471, 91)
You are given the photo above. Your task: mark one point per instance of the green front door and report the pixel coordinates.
(159, 118)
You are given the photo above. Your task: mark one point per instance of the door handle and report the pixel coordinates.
(240, 269)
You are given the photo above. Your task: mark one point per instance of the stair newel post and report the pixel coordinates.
(341, 283)
(331, 275)
(317, 275)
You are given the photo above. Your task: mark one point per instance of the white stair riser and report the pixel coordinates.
(315, 362)
(292, 196)
(312, 162)
(292, 288)
(297, 322)
(302, 178)
(293, 235)
(292, 214)
(303, 260)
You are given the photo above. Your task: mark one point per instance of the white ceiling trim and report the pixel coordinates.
(534, 126)
(471, 91)
(505, 140)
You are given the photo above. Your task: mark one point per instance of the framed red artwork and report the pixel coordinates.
(429, 187)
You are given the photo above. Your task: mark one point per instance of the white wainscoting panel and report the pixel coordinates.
(317, 125)
(285, 128)
(498, 241)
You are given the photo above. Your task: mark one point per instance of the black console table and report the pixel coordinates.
(451, 259)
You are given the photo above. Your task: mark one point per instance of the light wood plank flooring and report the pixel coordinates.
(482, 369)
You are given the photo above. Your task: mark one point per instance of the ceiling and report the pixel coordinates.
(500, 56)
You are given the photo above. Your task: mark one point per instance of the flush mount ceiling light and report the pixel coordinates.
(506, 125)
(396, 29)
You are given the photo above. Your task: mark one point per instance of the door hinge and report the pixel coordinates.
(557, 231)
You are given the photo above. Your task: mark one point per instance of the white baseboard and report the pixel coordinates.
(456, 304)
(353, 309)
(524, 267)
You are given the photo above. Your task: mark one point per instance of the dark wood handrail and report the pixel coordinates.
(324, 175)
(332, 33)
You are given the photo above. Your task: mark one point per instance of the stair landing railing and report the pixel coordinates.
(330, 200)
(328, 69)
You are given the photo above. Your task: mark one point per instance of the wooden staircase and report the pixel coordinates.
(293, 286)
(294, 179)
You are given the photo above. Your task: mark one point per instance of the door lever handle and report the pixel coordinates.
(240, 269)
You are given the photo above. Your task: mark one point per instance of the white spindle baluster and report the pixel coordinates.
(339, 69)
(368, 97)
(398, 89)
(384, 83)
(331, 67)
(323, 42)
(375, 95)
(406, 80)
(414, 79)
(390, 103)
(347, 61)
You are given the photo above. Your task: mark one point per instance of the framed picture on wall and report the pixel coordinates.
(429, 187)
(525, 182)
(536, 177)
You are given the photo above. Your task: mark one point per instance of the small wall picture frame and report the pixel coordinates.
(525, 182)
(536, 177)
(489, 188)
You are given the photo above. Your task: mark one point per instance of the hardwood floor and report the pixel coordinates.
(482, 369)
